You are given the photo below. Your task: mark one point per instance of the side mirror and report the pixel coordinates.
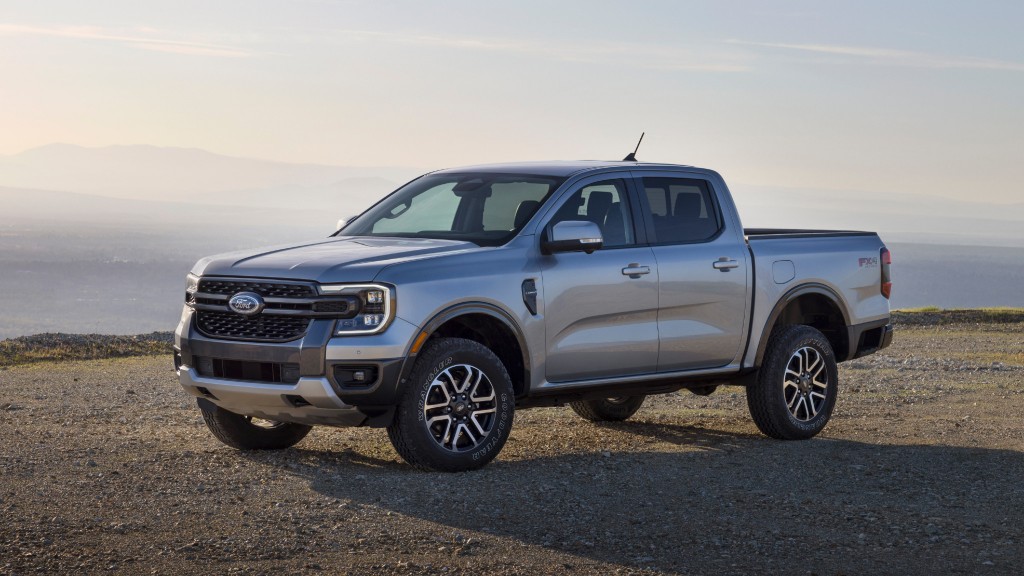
(573, 236)
(342, 222)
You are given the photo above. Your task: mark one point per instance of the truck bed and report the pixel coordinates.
(768, 233)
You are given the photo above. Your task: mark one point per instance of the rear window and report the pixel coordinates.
(682, 209)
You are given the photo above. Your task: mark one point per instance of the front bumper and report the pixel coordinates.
(309, 393)
(283, 403)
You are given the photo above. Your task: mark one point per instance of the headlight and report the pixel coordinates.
(376, 307)
(191, 287)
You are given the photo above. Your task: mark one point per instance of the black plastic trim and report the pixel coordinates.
(855, 332)
(477, 308)
(383, 393)
(658, 385)
(887, 335)
(772, 233)
(793, 294)
(308, 351)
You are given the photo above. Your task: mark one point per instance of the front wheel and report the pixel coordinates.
(456, 412)
(248, 433)
(796, 385)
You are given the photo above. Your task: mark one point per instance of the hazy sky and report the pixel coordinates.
(920, 97)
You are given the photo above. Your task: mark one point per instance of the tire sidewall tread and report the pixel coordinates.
(601, 410)
(765, 398)
(408, 432)
(238, 432)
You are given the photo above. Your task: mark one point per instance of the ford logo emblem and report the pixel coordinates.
(246, 303)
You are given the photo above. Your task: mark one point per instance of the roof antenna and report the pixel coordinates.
(632, 155)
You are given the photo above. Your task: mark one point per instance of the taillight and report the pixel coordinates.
(886, 259)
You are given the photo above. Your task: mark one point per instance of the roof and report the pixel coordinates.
(560, 169)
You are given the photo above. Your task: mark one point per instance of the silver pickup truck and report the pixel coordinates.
(470, 293)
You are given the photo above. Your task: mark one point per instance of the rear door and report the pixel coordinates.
(702, 270)
(601, 309)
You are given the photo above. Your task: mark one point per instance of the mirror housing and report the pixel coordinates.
(572, 236)
(342, 222)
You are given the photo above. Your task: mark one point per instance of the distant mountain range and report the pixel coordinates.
(193, 176)
(193, 187)
(100, 239)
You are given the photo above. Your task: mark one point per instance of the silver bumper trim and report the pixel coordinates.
(274, 401)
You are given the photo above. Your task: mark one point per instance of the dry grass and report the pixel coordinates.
(50, 347)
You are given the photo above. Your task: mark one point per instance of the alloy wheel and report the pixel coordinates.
(460, 407)
(805, 384)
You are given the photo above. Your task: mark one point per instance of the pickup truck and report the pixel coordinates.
(470, 293)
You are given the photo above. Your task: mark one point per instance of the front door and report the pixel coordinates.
(601, 309)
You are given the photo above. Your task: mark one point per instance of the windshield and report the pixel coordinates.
(486, 209)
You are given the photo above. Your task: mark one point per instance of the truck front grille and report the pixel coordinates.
(262, 327)
(265, 289)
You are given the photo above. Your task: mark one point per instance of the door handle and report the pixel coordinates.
(634, 270)
(725, 264)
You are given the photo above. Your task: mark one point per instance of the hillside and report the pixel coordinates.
(167, 173)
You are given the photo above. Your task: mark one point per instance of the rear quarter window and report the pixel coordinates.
(683, 210)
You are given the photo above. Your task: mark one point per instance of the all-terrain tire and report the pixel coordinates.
(457, 409)
(608, 409)
(796, 386)
(240, 432)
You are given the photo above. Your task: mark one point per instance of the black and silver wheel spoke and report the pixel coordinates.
(805, 384)
(460, 407)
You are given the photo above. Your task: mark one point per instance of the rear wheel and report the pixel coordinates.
(248, 433)
(456, 412)
(613, 409)
(796, 385)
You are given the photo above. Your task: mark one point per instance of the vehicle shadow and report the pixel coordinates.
(715, 501)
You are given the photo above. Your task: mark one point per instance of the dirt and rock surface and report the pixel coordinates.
(106, 467)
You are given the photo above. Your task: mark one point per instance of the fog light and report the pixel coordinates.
(355, 376)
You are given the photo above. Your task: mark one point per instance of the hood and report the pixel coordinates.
(340, 259)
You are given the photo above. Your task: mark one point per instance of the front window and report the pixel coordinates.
(486, 209)
(605, 204)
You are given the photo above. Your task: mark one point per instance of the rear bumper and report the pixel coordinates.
(303, 381)
(886, 336)
(869, 338)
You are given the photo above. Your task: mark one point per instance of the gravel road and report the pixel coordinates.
(106, 467)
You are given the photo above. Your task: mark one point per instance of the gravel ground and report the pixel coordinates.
(106, 467)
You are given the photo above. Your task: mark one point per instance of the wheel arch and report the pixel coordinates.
(814, 305)
(489, 325)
